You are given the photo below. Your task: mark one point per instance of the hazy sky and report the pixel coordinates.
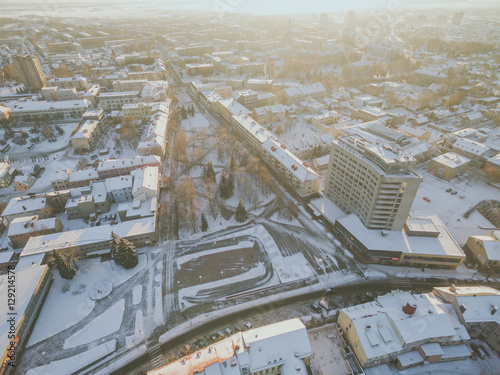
(255, 6)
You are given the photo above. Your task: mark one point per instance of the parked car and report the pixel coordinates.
(476, 350)
(484, 350)
(426, 199)
(315, 306)
(248, 324)
(454, 192)
(228, 330)
(449, 190)
(93, 157)
(221, 335)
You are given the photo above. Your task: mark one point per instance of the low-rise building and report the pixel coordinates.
(129, 85)
(154, 141)
(54, 93)
(424, 241)
(24, 182)
(32, 284)
(6, 174)
(22, 228)
(119, 167)
(5, 114)
(87, 201)
(86, 135)
(293, 95)
(93, 240)
(477, 309)
(485, 250)
(280, 348)
(146, 183)
(119, 188)
(448, 166)
(60, 110)
(385, 330)
(24, 206)
(78, 83)
(228, 108)
(82, 178)
(115, 100)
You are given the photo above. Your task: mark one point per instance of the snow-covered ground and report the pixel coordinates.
(73, 295)
(70, 365)
(105, 324)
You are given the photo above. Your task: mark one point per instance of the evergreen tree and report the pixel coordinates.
(232, 164)
(130, 259)
(208, 172)
(183, 113)
(114, 244)
(230, 185)
(222, 184)
(204, 223)
(63, 266)
(241, 214)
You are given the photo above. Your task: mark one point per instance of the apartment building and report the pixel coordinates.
(120, 167)
(130, 85)
(60, 110)
(448, 166)
(30, 71)
(294, 172)
(78, 83)
(485, 250)
(375, 181)
(54, 93)
(115, 100)
(154, 141)
(89, 200)
(251, 132)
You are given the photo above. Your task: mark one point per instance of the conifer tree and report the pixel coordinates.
(241, 214)
(63, 266)
(204, 223)
(130, 259)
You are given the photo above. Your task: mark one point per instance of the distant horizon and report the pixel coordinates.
(258, 7)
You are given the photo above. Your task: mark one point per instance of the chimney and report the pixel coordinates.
(462, 308)
(24, 208)
(410, 308)
(494, 310)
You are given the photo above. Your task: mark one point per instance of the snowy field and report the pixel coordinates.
(74, 295)
(72, 364)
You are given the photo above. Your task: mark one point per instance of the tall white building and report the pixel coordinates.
(375, 181)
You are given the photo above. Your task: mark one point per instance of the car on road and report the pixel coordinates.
(426, 199)
(315, 306)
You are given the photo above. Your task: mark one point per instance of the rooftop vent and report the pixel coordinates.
(453, 288)
(462, 308)
(494, 310)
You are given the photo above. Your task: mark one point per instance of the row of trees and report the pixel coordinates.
(122, 251)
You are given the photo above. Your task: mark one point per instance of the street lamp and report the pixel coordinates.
(221, 274)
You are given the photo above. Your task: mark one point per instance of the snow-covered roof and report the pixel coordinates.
(401, 241)
(495, 159)
(27, 282)
(23, 204)
(234, 107)
(289, 161)
(469, 146)
(118, 183)
(285, 343)
(254, 128)
(383, 327)
(452, 160)
(135, 161)
(478, 301)
(87, 236)
(145, 178)
(30, 224)
(83, 175)
(46, 106)
(86, 129)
